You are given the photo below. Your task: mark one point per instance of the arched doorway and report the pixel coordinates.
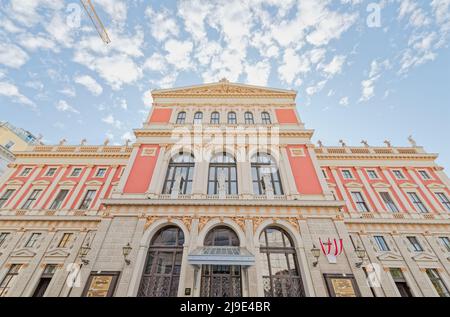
(162, 268)
(281, 275)
(221, 280)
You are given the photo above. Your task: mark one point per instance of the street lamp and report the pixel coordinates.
(126, 251)
(316, 253)
(83, 252)
(361, 254)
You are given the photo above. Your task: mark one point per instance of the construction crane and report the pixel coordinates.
(90, 10)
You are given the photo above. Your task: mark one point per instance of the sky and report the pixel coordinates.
(364, 70)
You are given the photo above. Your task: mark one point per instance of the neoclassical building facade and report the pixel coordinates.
(223, 194)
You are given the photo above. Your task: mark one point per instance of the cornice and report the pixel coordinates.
(223, 202)
(347, 156)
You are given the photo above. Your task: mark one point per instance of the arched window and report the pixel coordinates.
(181, 171)
(232, 117)
(265, 117)
(281, 276)
(198, 117)
(163, 264)
(181, 117)
(248, 116)
(215, 118)
(264, 164)
(222, 167)
(221, 280)
(221, 237)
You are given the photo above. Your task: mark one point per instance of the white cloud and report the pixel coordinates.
(179, 53)
(11, 91)
(258, 74)
(12, 56)
(147, 98)
(344, 101)
(111, 121)
(162, 25)
(63, 106)
(335, 66)
(123, 104)
(312, 90)
(90, 84)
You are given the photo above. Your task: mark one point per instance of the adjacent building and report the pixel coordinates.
(13, 139)
(224, 194)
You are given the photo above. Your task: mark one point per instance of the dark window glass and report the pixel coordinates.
(215, 118)
(417, 202)
(9, 279)
(181, 169)
(181, 117)
(3, 236)
(438, 283)
(34, 195)
(360, 202)
(263, 164)
(45, 280)
(221, 237)
(232, 118)
(381, 243)
(248, 117)
(198, 117)
(87, 200)
(56, 204)
(444, 200)
(281, 276)
(32, 240)
(222, 165)
(415, 244)
(163, 265)
(389, 202)
(265, 118)
(6, 196)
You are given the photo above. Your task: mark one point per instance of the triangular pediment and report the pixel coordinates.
(408, 185)
(354, 185)
(424, 257)
(435, 185)
(381, 185)
(57, 253)
(390, 256)
(224, 89)
(23, 253)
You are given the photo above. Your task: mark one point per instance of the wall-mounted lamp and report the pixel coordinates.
(361, 254)
(83, 252)
(316, 253)
(126, 251)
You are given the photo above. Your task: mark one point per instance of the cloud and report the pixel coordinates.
(63, 106)
(11, 91)
(335, 66)
(111, 121)
(344, 101)
(147, 98)
(258, 74)
(162, 25)
(90, 84)
(12, 56)
(179, 53)
(368, 85)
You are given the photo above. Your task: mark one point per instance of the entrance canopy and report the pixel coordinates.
(221, 256)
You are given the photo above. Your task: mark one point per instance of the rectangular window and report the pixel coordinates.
(33, 239)
(9, 280)
(76, 172)
(50, 172)
(444, 200)
(9, 145)
(372, 174)
(45, 280)
(325, 175)
(347, 174)
(360, 202)
(400, 282)
(398, 174)
(6, 196)
(437, 282)
(415, 244)
(3, 236)
(101, 172)
(424, 175)
(65, 240)
(34, 195)
(25, 172)
(56, 204)
(417, 202)
(445, 241)
(87, 200)
(381, 243)
(389, 202)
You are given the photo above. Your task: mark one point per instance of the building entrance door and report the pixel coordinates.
(221, 281)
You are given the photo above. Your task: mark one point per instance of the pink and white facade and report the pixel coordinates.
(223, 194)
